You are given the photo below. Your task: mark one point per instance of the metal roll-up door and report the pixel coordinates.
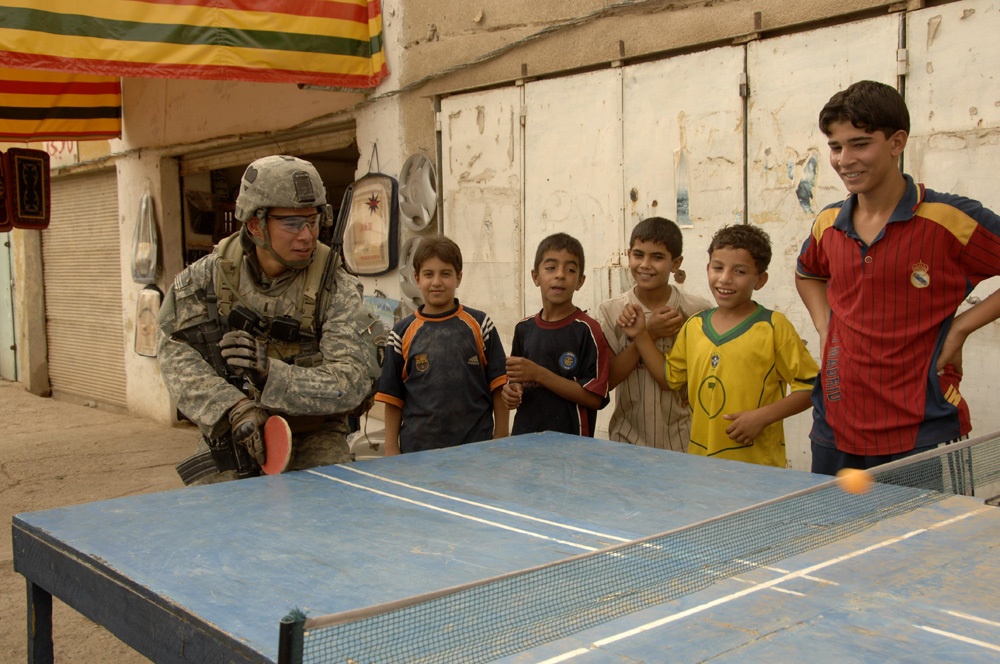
(83, 291)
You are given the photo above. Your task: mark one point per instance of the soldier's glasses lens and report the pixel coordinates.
(295, 224)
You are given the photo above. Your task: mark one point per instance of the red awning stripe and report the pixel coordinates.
(66, 88)
(207, 72)
(349, 11)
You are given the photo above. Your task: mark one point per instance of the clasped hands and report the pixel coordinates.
(662, 322)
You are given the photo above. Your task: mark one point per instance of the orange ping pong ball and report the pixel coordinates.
(853, 480)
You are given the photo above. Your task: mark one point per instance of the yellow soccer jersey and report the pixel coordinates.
(749, 366)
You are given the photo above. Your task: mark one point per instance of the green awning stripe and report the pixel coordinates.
(75, 25)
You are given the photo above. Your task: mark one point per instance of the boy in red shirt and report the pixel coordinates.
(882, 274)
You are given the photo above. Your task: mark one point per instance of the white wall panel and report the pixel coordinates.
(573, 174)
(683, 145)
(789, 176)
(482, 181)
(953, 93)
(790, 179)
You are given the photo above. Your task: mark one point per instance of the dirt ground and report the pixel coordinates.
(52, 454)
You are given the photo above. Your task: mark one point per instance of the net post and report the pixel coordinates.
(290, 637)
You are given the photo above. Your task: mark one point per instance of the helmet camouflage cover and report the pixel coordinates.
(279, 181)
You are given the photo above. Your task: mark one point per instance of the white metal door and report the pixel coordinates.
(483, 178)
(789, 179)
(955, 147)
(573, 175)
(81, 256)
(683, 148)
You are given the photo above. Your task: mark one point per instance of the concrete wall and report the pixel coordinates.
(175, 115)
(145, 392)
(29, 311)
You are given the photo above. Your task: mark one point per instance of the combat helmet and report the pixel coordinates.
(279, 181)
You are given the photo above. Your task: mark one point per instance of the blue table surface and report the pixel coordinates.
(241, 555)
(920, 587)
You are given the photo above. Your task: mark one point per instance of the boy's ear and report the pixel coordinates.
(897, 142)
(676, 265)
(458, 281)
(534, 276)
(761, 280)
(583, 278)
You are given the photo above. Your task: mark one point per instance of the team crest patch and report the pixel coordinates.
(715, 360)
(421, 362)
(919, 278)
(567, 360)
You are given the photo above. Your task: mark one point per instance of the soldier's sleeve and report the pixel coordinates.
(341, 379)
(201, 394)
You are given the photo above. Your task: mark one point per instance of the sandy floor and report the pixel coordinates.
(52, 454)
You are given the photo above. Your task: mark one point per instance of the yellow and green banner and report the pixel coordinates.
(335, 43)
(43, 106)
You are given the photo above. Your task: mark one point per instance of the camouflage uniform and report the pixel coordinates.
(315, 399)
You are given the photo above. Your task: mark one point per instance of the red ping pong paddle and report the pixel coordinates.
(277, 445)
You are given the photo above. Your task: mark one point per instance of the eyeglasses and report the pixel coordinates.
(295, 223)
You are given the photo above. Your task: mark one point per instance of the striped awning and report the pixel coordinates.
(333, 43)
(45, 106)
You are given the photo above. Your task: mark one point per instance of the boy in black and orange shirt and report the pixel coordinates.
(444, 364)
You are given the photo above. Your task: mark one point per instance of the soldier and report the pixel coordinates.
(268, 324)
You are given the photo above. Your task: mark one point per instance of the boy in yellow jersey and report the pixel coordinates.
(738, 360)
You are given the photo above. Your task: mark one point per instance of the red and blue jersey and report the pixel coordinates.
(892, 304)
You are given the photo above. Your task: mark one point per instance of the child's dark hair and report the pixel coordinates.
(558, 242)
(438, 246)
(659, 230)
(867, 105)
(744, 236)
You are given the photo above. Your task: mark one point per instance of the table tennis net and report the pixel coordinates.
(511, 613)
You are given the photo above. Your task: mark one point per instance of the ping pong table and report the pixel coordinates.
(208, 574)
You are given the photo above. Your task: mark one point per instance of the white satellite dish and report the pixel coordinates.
(417, 192)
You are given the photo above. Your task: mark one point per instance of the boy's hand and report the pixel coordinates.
(632, 321)
(951, 352)
(511, 395)
(664, 322)
(745, 426)
(682, 391)
(521, 370)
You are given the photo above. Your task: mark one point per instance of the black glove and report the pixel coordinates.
(246, 354)
(246, 420)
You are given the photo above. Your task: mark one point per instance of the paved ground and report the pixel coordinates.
(52, 454)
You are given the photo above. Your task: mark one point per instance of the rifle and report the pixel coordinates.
(223, 454)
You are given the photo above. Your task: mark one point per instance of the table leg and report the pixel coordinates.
(39, 625)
